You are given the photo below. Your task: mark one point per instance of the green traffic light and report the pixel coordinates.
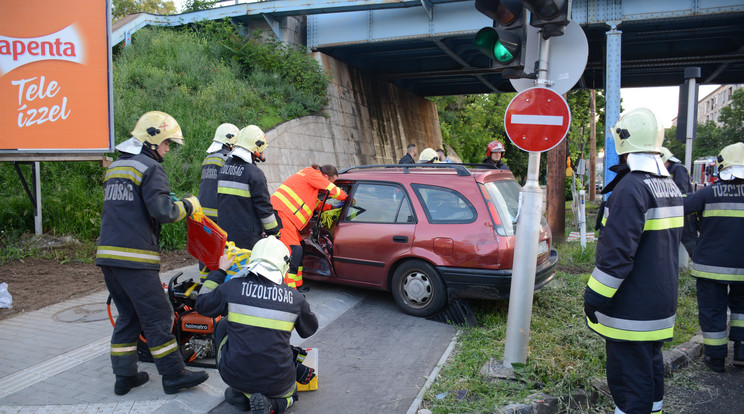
(488, 42)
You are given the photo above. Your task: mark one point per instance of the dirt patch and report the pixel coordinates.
(35, 283)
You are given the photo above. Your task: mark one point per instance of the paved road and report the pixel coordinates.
(697, 390)
(372, 358)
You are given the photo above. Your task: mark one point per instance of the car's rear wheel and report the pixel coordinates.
(418, 289)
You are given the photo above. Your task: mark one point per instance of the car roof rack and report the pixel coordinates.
(460, 168)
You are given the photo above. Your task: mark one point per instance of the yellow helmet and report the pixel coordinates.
(270, 259)
(253, 139)
(226, 134)
(638, 130)
(732, 156)
(154, 127)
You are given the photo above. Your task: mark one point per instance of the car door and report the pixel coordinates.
(374, 230)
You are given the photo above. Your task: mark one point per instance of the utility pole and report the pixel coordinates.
(593, 145)
(556, 204)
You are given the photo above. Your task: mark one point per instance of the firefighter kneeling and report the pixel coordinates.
(254, 356)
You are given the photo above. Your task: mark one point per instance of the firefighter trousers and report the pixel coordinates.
(143, 308)
(292, 239)
(221, 340)
(713, 300)
(635, 375)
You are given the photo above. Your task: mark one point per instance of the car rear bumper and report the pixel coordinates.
(471, 283)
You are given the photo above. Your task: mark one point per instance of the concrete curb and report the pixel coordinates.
(539, 403)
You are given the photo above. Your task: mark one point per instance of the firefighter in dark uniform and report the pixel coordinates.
(718, 262)
(494, 154)
(631, 297)
(223, 142)
(136, 201)
(255, 358)
(244, 203)
(682, 179)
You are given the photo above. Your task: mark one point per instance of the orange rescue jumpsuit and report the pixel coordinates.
(295, 200)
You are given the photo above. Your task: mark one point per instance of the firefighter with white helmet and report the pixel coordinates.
(631, 297)
(428, 156)
(679, 174)
(254, 356)
(136, 201)
(717, 262)
(223, 142)
(494, 154)
(242, 193)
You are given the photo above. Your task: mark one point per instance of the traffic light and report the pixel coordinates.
(549, 15)
(505, 42)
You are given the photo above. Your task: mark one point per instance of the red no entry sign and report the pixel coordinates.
(537, 119)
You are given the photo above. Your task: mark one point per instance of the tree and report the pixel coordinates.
(122, 8)
(732, 118)
(196, 5)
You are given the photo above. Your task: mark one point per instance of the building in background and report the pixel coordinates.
(709, 107)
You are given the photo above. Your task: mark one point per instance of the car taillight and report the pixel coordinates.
(492, 212)
(542, 247)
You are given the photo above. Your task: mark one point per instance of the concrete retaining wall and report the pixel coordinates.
(366, 121)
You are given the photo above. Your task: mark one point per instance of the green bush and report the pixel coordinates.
(202, 77)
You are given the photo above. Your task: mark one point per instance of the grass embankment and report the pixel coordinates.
(563, 354)
(203, 75)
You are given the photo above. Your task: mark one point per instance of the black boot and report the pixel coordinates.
(739, 353)
(237, 399)
(173, 383)
(261, 404)
(715, 364)
(124, 383)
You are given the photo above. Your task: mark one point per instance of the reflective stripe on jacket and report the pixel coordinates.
(244, 204)
(298, 195)
(211, 167)
(718, 252)
(136, 202)
(261, 317)
(634, 283)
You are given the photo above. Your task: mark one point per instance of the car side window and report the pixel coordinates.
(379, 203)
(443, 205)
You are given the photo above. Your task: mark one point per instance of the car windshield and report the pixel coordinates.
(505, 196)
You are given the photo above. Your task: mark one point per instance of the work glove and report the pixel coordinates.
(173, 197)
(194, 203)
(276, 231)
(299, 354)
(340, 204)
(590, 310)
(305, 374)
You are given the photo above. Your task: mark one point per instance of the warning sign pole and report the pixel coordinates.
(525, 249)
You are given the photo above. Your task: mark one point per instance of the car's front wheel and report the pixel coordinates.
(418, 289)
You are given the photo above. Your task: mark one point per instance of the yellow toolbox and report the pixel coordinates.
(311, 360)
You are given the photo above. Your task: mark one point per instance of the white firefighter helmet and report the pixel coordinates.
(226, 134)
(638, 130)
(253, 139)
(270, 259)
(154, 127)
(428, 155)
(667, 155)
(731, 162)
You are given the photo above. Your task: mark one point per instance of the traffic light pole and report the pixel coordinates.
(525, 248)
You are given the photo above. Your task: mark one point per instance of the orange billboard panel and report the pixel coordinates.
(55, 77)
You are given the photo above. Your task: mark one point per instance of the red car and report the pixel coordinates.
(429, 234)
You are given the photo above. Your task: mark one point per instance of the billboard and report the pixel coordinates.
(55, 77)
